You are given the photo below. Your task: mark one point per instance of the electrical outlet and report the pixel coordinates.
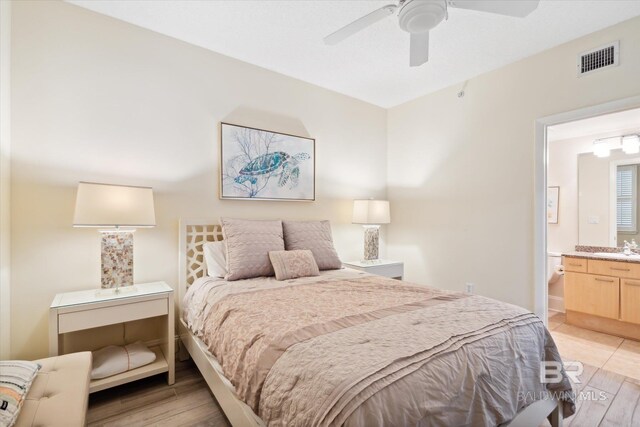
(470, 287)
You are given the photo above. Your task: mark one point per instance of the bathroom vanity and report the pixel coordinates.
(602, 293)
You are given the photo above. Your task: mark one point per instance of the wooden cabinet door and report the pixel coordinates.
(630, 301)
(591, 294)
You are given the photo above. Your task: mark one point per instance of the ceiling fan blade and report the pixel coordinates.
(419, 47)
(360, 24)
(518, 8)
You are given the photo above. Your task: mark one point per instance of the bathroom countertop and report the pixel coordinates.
(591, 255)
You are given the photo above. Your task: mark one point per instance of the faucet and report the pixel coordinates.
(627, 248)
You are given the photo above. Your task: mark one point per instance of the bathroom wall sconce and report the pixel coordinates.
(630, 144)
(601, 147)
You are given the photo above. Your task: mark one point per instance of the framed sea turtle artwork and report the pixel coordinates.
(258, 164)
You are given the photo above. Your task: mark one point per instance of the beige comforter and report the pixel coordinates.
(347, 348)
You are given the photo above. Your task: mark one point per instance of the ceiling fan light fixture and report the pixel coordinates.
(419, 16)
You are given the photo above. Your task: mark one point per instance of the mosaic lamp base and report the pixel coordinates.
(117, 259)
(371, 240)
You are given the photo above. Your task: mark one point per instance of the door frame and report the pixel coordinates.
(541, 159)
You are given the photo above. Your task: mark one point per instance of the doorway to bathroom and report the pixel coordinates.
(587, 206)
(592, 191)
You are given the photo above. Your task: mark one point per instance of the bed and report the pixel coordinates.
(348, 348)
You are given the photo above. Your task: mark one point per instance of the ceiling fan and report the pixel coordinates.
(417, 17)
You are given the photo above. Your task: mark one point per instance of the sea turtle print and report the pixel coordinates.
(279, 162)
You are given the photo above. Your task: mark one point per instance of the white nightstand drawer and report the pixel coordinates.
(93, 318)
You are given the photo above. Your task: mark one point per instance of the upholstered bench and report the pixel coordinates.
(60, 392)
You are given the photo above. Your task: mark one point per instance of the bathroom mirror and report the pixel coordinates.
(608, 198)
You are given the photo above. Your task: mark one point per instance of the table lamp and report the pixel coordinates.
(117, 210)
(371, 214)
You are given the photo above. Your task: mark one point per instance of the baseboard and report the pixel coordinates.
(604, 325)
(556, 303)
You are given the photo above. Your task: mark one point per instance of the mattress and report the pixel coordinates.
(348, 348)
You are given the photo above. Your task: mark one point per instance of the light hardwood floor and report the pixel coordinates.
(151, 402)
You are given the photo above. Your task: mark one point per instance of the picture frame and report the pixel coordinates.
(260, 164)
(553, 199)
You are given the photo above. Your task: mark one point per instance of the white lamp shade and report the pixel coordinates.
(105, 205)
(371, 212)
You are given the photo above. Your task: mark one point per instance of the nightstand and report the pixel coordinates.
(380, 267)
(76, 311)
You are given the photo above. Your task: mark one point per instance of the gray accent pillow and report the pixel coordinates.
(248, 245)
(315, 236)
(293, 264)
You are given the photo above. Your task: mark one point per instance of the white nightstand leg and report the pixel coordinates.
(168, 348)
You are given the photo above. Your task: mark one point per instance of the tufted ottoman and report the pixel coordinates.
(59, 393)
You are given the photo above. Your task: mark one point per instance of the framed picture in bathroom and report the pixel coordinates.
(553, 197)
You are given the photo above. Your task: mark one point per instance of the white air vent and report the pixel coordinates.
(599, 58)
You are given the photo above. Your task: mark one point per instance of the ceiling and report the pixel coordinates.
(612, 123)
(373, 65)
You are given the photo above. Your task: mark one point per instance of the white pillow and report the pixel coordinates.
(115, 359)
(215, 258)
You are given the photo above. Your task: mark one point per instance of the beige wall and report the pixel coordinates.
(461, 170)
(97, 99)
(5, 176)
(563, 172)
(594, 200)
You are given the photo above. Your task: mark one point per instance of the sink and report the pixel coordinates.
(614, 255)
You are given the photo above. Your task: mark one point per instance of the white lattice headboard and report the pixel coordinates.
(193, 234)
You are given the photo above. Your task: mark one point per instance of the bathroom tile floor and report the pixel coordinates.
(611, 369)
(608, 352)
